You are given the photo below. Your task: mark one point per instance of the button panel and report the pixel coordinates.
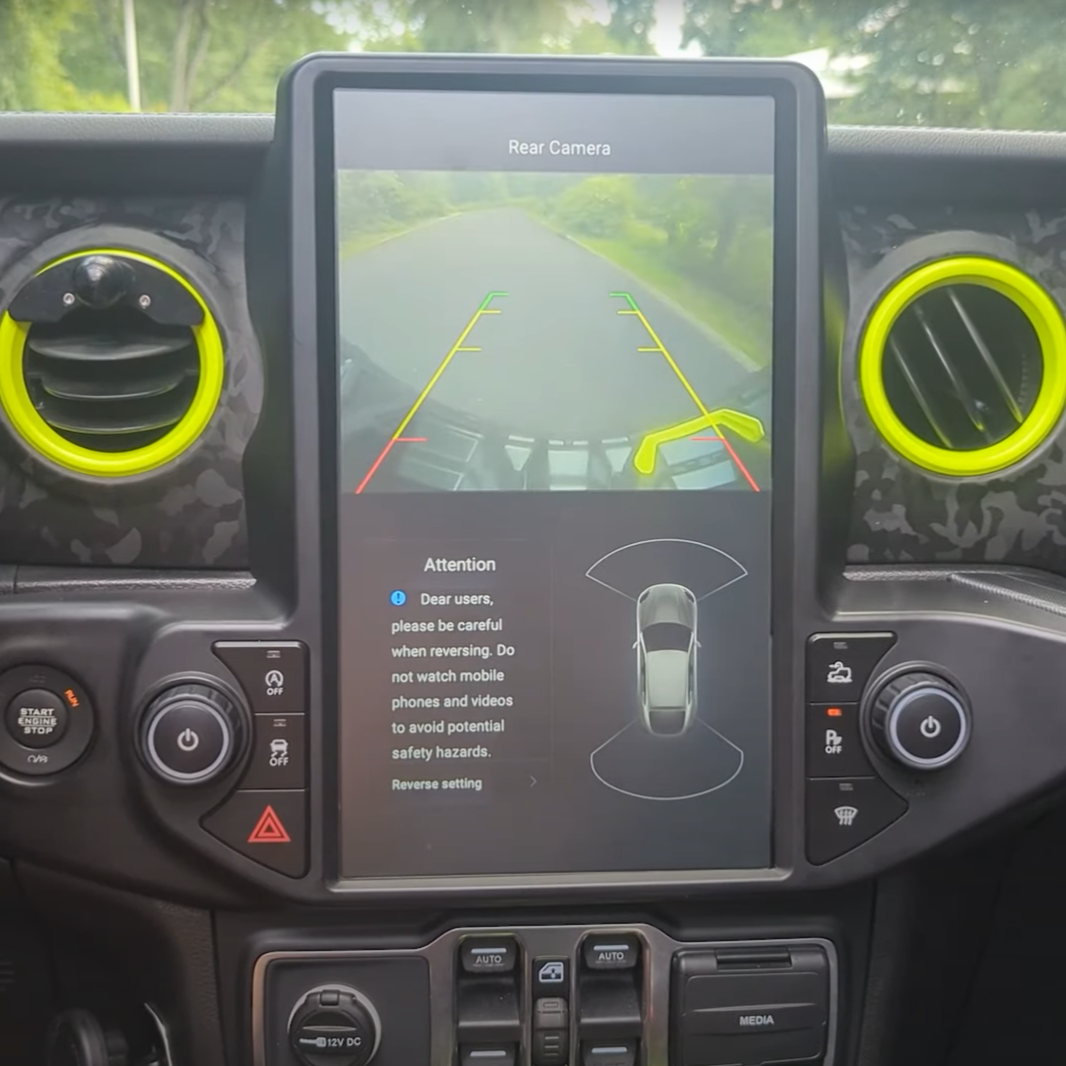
(844, 813)
(499, 1018)
(840, 664)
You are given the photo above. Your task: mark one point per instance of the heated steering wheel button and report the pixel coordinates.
(189, 739)
(37, 718)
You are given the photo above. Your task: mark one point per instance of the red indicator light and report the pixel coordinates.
(835, 712)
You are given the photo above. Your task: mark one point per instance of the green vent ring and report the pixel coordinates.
(42, 438)
(1046, 319)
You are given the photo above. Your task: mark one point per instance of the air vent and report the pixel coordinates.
(963, 366)
(112, 381)
(110, 363)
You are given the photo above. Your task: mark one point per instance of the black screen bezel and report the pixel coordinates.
(720, 78)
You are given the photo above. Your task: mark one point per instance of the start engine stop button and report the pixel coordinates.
(37, 718)
(48, 720)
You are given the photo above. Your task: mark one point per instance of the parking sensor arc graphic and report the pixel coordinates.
(736, 571)
(666, 799)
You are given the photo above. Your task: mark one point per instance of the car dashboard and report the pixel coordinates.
(227, 523)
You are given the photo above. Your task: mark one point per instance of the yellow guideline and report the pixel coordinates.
(743, 425)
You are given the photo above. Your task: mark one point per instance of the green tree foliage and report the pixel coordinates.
(196, 55)
(33, 71)
(460, 25)
(600, 206)
(930, 62)
(969, 63)
(630, 25)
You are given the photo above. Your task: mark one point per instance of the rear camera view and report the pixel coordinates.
(536, 676)
(540, 331)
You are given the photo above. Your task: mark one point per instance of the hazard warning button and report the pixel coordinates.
(267, 825)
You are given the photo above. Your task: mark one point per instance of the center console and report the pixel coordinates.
(547, 603)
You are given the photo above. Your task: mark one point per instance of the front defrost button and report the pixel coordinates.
(841, 815)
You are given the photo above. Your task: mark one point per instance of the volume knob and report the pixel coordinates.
(921, 720)
(191, 734)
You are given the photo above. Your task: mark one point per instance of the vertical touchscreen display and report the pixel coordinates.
(554, 382)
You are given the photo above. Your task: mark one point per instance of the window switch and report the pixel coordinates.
(609, 1053)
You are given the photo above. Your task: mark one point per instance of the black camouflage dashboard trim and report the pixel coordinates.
(190, 514)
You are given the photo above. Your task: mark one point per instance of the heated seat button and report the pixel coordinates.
(37, 718)
(842, 814)
(273, 674)
(840, 664)
(267, 826)
(278, 752)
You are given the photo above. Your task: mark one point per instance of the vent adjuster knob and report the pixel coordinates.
(101, 281)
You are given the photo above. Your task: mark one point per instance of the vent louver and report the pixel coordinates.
(111, 380)
(111, 363)
(963, 366)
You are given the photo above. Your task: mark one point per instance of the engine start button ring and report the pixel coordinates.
(48, 720)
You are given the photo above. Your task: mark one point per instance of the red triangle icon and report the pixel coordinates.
(269, 830)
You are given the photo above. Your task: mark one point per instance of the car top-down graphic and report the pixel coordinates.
(666, 647)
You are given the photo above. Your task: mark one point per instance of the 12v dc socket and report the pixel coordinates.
(335, 1026)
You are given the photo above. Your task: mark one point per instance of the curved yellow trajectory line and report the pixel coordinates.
(743, 425)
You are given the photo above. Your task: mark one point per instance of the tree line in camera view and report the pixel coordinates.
(704, 241)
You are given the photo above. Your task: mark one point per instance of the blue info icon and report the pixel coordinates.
(397, 597)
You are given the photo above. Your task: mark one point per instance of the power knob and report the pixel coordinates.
(191, 733)
(920, 720)
(335, 1026)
